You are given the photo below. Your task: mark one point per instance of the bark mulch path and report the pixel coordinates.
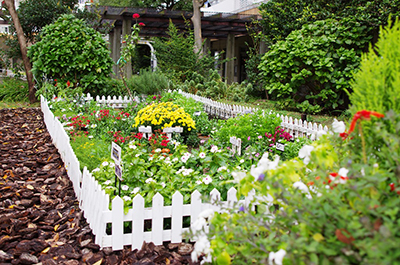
(40, 219)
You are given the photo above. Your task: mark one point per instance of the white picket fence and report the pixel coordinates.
(94, 202)
(296, 127)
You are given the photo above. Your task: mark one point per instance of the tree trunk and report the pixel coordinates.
(22, 45)
(196, 19)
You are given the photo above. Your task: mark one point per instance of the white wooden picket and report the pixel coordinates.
(95, 203)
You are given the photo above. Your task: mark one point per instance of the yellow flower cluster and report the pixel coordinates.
(162, 115)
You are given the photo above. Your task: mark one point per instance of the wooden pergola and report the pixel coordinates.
(214, 27)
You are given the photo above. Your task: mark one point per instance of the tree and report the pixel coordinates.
(22, 44)
(34, 15)
(196, 19)
(281, 17)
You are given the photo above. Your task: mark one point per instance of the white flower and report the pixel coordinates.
(126, 198)
(198, 182)
(338, 126)
(125, 187)
(202, 155)
(302, 187)
(207, 180)
(135, 190)
(93, 126)
(238, 176)
(305, 153)
(241, 161)
(158, 150)
(207, 214)
(132, 145)
(150, 158)
(276, 258)
(96, 169)
(90, 136)
(137, 155)
(107, 182)
(149, 180)
(222, 168)
(199, 224)
(340, 177)
(202, 246)
(214, 149)
(184, 159)
(111, 164)
(187, 171)
(175, 159)
(105, 163)
(163, 184)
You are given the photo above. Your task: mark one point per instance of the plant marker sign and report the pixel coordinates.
(236, 145)
(116, 152)
(280, 147)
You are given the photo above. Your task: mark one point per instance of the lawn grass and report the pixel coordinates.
(13, 105)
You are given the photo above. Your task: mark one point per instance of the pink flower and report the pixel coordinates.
(248, 138)
(142, 24)
(136, 16)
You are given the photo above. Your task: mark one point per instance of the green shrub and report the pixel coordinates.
(148, 82)
(377, 85)
(111, 87)
(13, 89)
(71, 51)
(247, 127)
(315, 63)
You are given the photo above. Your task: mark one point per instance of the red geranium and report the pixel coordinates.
(136, 16)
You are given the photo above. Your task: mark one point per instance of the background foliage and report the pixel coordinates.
(315, 64)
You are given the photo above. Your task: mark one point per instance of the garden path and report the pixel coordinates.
(40, 219)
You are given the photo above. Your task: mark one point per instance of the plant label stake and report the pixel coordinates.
(280, 147)
(146, 131)
(116, 156)
(236, 145)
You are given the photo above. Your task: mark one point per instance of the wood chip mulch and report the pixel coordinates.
(40, 219)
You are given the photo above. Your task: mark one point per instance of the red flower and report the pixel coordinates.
(391, 186)
(136, 16)
(363, 115)
(68, 83)
(344, 135)
(142, 24)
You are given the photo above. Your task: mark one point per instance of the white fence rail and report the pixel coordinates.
(296, 127)
(94, 202)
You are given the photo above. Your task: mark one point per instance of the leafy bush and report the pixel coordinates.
(212, 86)
(247, 127)
(71, 51)
(13, 89)
(111, 87)
(148, 82)
(377, 85)
(162, 115)
(315, 63)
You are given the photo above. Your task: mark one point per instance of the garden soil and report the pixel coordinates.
(40, 219)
